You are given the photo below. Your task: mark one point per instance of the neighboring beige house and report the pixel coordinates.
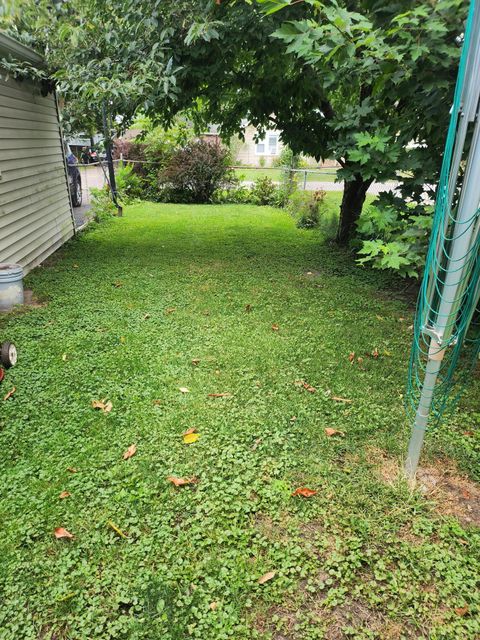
(258, 153)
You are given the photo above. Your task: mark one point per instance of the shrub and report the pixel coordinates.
(394, 239)
(304, 207)
(263, 192)
(129, 183)
(195, 172)
(102, 206)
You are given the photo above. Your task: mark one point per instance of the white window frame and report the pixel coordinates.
(266, 144)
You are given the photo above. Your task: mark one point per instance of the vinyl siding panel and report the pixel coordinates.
(35, 209)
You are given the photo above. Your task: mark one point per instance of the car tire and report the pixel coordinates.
(77, 193)
(8, 355)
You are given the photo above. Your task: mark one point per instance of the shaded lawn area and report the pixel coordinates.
(130, 304)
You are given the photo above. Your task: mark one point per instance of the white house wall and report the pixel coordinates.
(35, 209)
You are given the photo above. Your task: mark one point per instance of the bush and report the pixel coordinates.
(395, 239)
(263, 192)
(195, 172)
(304, 207)
(129, 183)
(102, 206)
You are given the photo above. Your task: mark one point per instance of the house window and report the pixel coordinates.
(272, 144)
(267, 146)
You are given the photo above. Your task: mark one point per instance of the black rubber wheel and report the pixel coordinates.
(77, 193)
(8, 355)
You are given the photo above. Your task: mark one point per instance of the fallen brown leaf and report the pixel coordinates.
(469, 434)
(181, 482)
(72, 469)
(213, 605)
(375, 353)
(60, 532)
(157, 403)
(105, 407)
(333, 432)
(461, 611)
(170, 310)
(118, 284)
(275, 327)
(219, 395)
(9, 394)
(64, 494)
(195, 361)
(266, 577)
(351, 356)
(338, 399)
(308, 387)
(189, 431)
(305, 492)
(131, 451)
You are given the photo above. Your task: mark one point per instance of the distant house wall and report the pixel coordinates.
(264, 152)
(35, 208)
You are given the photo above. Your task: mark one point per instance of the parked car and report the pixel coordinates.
(74, 178)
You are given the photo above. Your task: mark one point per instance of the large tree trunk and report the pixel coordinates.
(354, 194)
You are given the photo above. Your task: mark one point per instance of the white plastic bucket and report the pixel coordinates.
(11, 285)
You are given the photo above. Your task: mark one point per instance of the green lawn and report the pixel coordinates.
(131, 303)
(313, 175)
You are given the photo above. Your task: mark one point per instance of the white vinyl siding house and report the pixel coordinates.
(35, 208)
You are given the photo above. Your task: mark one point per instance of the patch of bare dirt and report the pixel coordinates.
(31, 301)
(452, 493)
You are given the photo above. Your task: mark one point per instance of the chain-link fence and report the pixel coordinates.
(95, 176)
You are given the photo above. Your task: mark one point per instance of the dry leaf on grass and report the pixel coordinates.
(72, 469)
(195, 361)
(266, 577)
(9, 394)
(181, 482)
(131, 451)
(157, 403)
(117, 530)
(248, 308)
(461, 611)
(60, 532)
(375, 353)
(305, 492)
(189, 431)
(105, 407)
(170, 310)
(351, 356)
(64, 494)
(219, 395)
(189, 438)
(338, 399)
(275, 327)
(333, 432)
(213, 605)
(64, 357)
(146, 316)
(118, 284)
(184, 390)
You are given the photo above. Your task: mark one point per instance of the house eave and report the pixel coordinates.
(11, 48)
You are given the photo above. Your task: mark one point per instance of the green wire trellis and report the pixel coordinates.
(451, 281)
